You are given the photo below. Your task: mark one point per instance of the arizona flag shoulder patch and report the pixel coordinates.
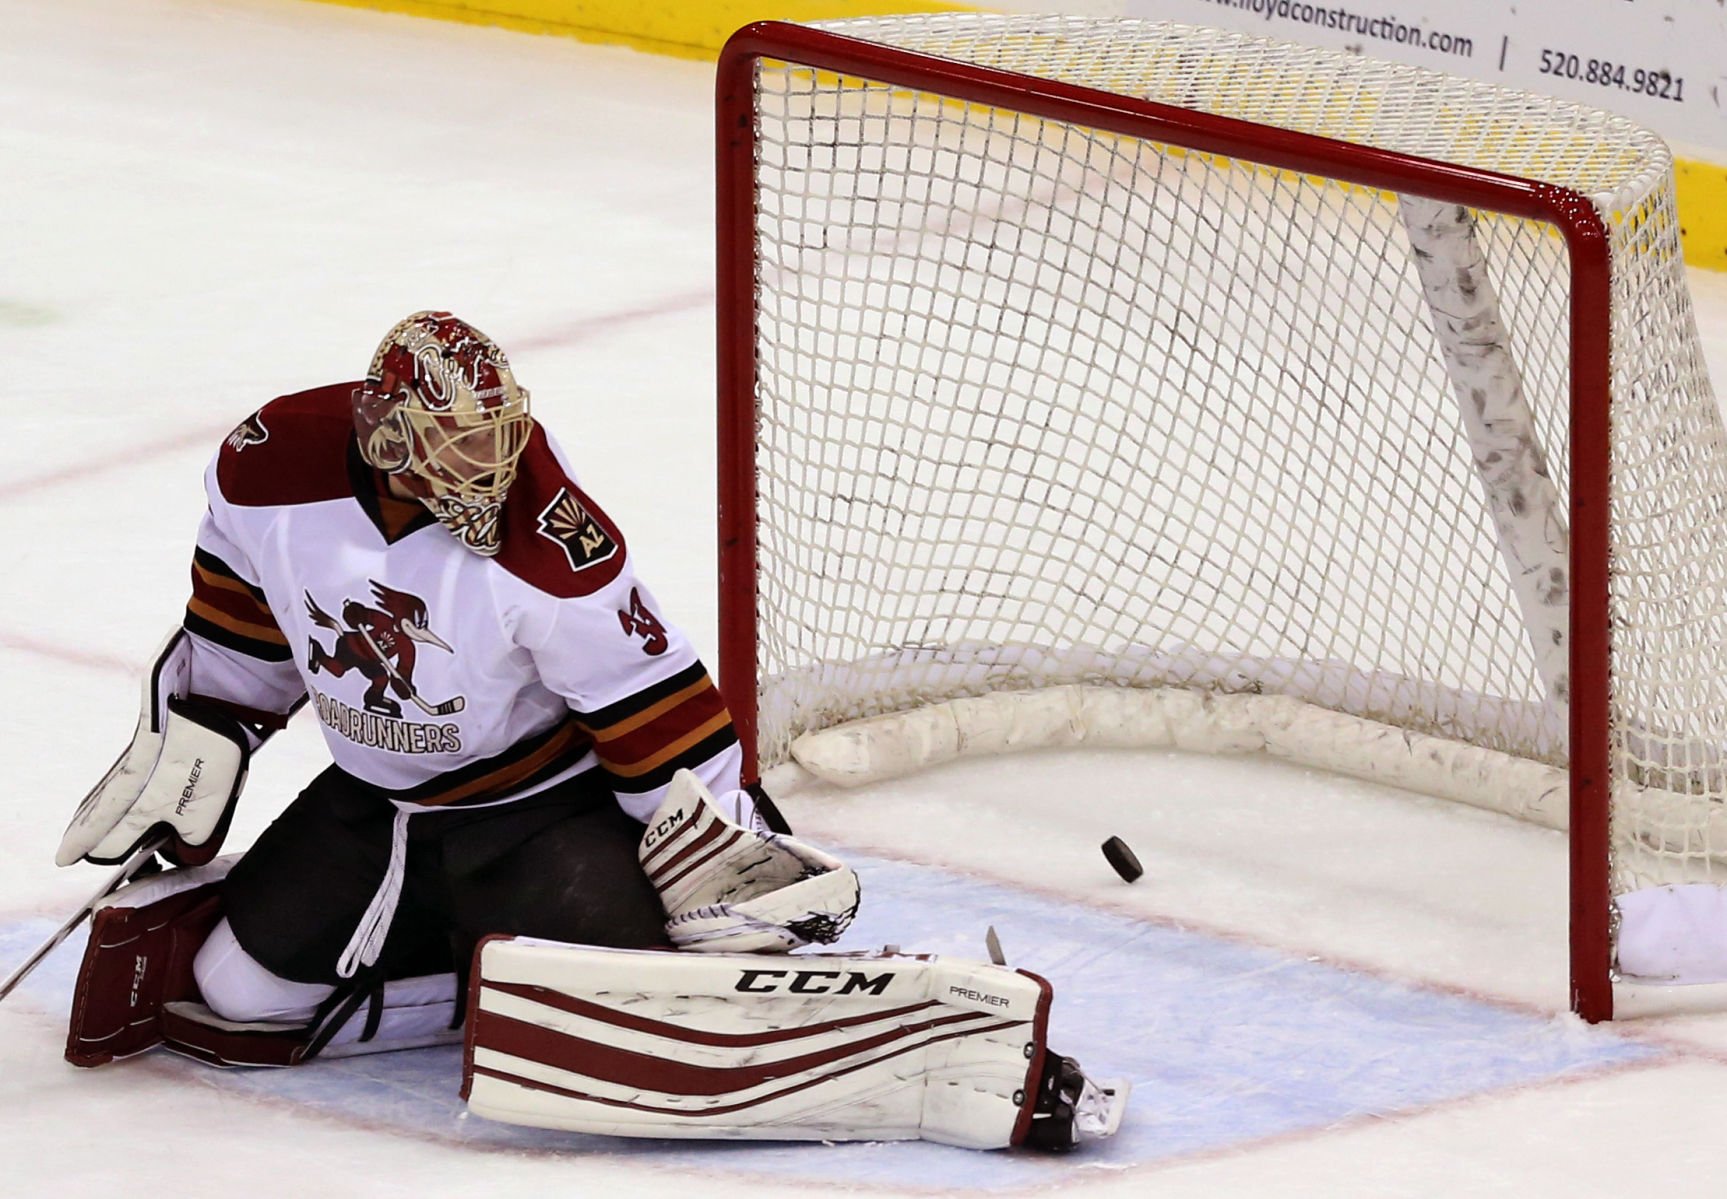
(585, 542)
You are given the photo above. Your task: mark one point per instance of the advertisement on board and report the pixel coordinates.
(1662, 63)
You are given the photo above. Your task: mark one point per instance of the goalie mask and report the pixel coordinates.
(441, 413)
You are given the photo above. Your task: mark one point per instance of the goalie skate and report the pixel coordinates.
(1071, 1107)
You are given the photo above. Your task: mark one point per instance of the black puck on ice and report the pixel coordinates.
(1126, 864)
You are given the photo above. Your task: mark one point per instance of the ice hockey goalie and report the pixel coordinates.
(534, 813)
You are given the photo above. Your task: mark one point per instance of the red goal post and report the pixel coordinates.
(961, 80)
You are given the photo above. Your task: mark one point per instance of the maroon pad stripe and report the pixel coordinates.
(697, 862)
(695, 1036)
(728, 1109)
(676, 838)
(1034, 1069)
(643, 1071)
(662, 861)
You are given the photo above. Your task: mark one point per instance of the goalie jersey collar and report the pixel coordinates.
(300, 449)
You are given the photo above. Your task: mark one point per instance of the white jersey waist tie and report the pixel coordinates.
(368, 939)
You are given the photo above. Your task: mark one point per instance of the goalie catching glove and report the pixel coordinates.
(730, 889)
(181, 775)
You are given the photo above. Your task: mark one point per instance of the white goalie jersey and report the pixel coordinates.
(439, 676)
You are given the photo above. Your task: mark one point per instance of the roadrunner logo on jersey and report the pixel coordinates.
(380, 641)
(250, 431)
(584, 541)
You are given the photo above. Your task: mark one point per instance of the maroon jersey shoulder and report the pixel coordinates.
(293, 450)
(555, 537)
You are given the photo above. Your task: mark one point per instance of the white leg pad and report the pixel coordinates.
(237, 988)
(247, 1001)
(804, 1047)
(417, 1012)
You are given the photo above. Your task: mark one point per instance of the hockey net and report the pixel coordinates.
(1157, 378)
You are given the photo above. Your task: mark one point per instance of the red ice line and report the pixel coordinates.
(91, 467)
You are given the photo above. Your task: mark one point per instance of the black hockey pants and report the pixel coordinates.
(560, 865)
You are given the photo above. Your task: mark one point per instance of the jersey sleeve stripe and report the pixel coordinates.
(239, 610)
(210, 569)
(237, 625)
(614, 732)
(692, 758)
(230, 594)
(228, 610)
(618, 713)
(669, 724)
(676, 749)
(204, 579)
(661, 731)
(220, 634)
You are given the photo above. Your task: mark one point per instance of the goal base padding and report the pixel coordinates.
(1673, 935)
(1640, 999)
(876, 748)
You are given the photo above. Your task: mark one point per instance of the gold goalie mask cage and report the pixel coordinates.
(441, 411)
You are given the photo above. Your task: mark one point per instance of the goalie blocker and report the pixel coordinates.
(181, 775)
(832, 1047)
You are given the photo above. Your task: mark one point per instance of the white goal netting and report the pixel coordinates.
(1041, 406)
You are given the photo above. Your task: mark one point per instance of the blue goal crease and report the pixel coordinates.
(1225, 1044)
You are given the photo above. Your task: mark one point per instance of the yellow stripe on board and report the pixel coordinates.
(688, 30)
(1702, 190)
(698, 29)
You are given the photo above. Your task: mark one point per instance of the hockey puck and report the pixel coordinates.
(1118, 855)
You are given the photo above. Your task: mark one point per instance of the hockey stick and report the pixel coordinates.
(447, 708)
(131, 866)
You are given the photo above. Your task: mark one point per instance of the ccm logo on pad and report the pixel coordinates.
(663, 829)
(812, 982)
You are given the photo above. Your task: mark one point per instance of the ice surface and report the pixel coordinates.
(1225, 1042)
